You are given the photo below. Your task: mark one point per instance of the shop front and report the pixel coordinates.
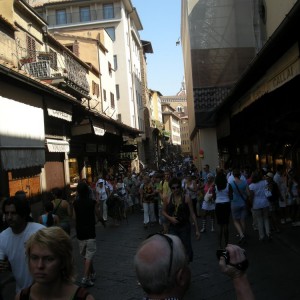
(22, 148)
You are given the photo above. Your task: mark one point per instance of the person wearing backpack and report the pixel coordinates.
(62, 209)
(49, 219)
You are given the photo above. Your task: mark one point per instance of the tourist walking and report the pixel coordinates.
(260, 204)
(222, 208)
(178, 209)
(102, 192)
(272, 193)
(280, 179)
(62, 209)
(239, 194)
(191, 188)
(208, 203)
(165, 192)
(148, 194)
(86, 210)
(49, 219)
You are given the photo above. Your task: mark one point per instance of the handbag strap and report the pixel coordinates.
(56, 208)
(239, 190)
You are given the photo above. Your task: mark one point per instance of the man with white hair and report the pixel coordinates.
(162, 268)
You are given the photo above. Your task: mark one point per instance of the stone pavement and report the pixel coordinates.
(273, 270)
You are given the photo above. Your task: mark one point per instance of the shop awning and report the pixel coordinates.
(57, 145)
(22, 135)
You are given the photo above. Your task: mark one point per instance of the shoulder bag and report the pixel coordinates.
(247, 200)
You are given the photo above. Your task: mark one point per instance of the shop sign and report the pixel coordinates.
(59, 114)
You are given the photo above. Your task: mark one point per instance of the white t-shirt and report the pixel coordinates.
(13, 246)
(102, 194)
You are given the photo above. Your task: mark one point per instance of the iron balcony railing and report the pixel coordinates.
(45, 65)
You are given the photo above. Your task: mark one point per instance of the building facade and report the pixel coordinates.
(179, 103)
(241, 68)
(52, 132)
(121, 21)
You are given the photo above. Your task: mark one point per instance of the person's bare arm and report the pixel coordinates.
(193, 215)
(165, 213)
(239, 278)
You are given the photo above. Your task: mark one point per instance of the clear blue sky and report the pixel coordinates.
(161, 23)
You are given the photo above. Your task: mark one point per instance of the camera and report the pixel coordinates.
(242, 266)
(223, 253)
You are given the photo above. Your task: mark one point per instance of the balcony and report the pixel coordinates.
(67, 75)
(92, 16)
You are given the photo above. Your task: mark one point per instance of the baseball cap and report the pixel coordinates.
(270, 174)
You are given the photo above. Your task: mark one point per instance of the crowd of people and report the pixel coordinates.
(180, 201)
(209, 198)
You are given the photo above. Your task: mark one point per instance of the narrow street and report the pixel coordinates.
(272, 271)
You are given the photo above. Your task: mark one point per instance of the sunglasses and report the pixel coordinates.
(170, 242)
(175, 187)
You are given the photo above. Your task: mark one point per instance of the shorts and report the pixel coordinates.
(87, 248)
(239, 212)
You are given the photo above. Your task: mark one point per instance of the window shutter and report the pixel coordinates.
(31, 50)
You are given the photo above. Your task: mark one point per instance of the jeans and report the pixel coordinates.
(149, 214)
(262, 218)
(103, 209)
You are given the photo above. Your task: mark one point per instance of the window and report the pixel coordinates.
(61, 17)
(112, 100)
(108, 11)
(115, 62)
(111, 32)
(104, 95)
(117, 91)
(85, 14)
(109, 69)
(95, 88)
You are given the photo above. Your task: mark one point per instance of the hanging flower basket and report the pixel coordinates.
(26, 60)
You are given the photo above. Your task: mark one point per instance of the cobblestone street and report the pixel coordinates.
(272, 272)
